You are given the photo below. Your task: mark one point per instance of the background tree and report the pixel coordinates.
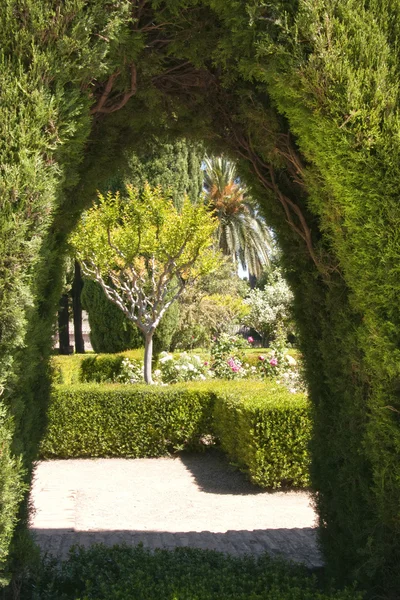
(76, 292)
(212, 305)
(242, 232)
(143, 252)
(110, 329)
(175, 164)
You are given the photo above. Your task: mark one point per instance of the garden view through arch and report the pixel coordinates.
(317, 142)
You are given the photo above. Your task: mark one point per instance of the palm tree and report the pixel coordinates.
(242, 233)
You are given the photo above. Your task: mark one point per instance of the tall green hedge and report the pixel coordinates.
(110, 330)
(11, 493)
(306, 95)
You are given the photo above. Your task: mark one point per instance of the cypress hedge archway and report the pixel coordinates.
(306, 96)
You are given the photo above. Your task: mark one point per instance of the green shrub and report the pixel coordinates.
(65, 369)
(168, 325)
(130, 573)
(263, 428)
(110, 330)
(12, 489)
(265, 431)
(100, 369)
(124, 420)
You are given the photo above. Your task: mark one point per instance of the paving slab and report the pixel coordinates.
(188, 500)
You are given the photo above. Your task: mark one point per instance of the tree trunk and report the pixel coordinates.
(77, 309)
(63, 325)
(148, 355)
(252, 281)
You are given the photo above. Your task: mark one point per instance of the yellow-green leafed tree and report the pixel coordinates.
(143, 252)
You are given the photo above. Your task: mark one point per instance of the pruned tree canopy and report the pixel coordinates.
(144, 252)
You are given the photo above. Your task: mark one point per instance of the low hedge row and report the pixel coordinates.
(85, 368)
(263, 428)
(266, 432)
(132, 573)
(92, 420)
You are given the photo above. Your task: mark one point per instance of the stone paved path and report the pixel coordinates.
(190, 500)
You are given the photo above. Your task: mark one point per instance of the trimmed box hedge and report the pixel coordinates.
(92, 420)
(263, 428)
(266, 433)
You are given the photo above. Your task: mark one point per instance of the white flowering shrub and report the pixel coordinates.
(186, 367)
(227, 362)
(270, 308)
(282, 367)
(131, 371)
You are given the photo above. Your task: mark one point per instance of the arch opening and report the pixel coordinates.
(318, 159)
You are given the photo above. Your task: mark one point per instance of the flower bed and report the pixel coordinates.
(227, 361)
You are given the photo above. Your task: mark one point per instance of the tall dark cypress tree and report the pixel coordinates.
(63, 325)
(77, 309)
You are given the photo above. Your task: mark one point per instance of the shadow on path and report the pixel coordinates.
(298, 545)
(214, 474)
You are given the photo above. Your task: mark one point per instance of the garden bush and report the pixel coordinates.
(110, 330)
(130, 420)
(126, 573)
(11, 490)
(263, 428)
(100, 369)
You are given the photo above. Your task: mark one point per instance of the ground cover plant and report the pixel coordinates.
(126, 573)
(306, 96)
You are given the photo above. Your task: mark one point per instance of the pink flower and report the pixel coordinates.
(250, 339)
(205, 363)
(273, 362)
(261, 358)
(233, 365)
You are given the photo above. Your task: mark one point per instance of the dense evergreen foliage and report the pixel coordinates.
(110, 330)
(306, 95)
(175, 165)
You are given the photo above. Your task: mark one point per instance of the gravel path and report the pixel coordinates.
(189, 500)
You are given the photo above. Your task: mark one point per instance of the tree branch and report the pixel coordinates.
(101, 106)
